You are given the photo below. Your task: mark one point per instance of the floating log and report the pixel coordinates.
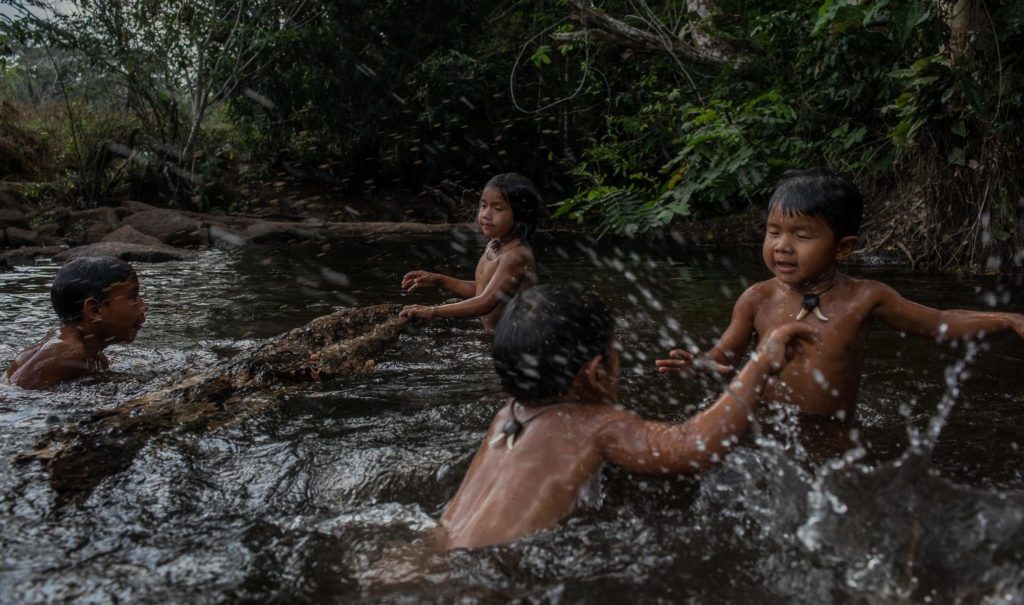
(331, 347)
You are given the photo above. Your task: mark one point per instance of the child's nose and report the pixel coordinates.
(784, 243)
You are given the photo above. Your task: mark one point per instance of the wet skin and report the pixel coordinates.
(508, 493)
(75, 350)
(803, 254)
(496, 280)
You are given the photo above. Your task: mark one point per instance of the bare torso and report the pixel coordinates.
(520, 256)
(825, 380)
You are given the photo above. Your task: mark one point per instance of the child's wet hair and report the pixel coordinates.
(522, 196)
(85, 278)
(822, 193)
(545, 336)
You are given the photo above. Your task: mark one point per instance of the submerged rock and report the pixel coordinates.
(128, 251)
(334, 346)
(28, 254)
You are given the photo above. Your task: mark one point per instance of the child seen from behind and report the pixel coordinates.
(555, 353)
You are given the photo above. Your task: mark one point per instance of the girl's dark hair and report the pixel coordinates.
(545, 336)
(822, 193)
(522, 196)
(85, 278)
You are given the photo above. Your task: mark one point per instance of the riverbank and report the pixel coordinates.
(137, 231)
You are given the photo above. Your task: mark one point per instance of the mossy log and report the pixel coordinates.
(331, 347)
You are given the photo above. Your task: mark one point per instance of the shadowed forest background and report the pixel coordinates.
(632, 116)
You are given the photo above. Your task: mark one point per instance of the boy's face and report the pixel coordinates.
(122, 313)
(800, 250)
(495, 214)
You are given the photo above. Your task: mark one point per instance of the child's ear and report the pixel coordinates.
(91, 309)
(594, 371)
(846, 247)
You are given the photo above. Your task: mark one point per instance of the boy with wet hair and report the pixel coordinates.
(555, 353)
(97, 300)
(813, 219)
(507, 215)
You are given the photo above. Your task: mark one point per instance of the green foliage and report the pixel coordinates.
(852, 85)
(362, 97)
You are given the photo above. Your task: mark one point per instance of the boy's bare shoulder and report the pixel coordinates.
(605, 417)
(49, 361)
(867, 290)
(758, 293)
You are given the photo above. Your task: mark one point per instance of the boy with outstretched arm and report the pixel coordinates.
(98, 302)
(555, 353)
(813, 220)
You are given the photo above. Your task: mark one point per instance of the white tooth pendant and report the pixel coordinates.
(811, 303)
(508, 433)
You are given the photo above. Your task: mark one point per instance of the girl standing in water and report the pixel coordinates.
(508, 211)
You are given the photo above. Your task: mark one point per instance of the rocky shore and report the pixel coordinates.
(135, 231)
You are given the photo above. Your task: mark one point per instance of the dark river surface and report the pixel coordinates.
(326, 498)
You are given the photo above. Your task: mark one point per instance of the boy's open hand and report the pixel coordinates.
(421, 311)
(779, 347)
(689, 364)
(414, 280)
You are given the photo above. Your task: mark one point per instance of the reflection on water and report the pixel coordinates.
(328, 497)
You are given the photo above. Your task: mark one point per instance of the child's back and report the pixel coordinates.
(554, 349)
(512, 492)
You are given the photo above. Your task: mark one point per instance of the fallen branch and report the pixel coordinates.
(334, 346)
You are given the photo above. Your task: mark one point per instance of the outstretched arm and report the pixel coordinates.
(414, 280)
(953, 324)
(511, 270)
(722, 357)
(661, 448)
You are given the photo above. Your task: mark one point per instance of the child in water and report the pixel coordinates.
(97, 300)
(555, 353)
(508, 216)
(813, 220)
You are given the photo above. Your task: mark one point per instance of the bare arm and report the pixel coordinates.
(722, 357)
(510, 270)
(953, 324)
(414, 280)
(661, 448)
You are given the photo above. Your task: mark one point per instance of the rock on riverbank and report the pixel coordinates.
(136, 231)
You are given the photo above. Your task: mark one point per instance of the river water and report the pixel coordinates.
(326, 498)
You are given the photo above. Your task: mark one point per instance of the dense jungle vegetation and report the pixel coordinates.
(631, 115)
